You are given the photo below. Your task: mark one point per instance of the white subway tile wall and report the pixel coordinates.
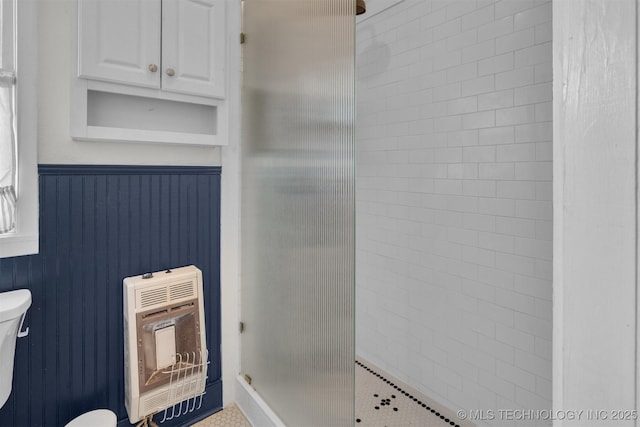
(454, 211)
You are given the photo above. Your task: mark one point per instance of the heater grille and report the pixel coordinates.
(181, 290)
(154, 403)
(166, 293)
(153, 297)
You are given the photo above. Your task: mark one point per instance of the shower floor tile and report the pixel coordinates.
(383, 401)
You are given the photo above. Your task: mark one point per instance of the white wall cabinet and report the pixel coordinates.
(156, 62)
(175, 45)
(193, 46)
(119, 41)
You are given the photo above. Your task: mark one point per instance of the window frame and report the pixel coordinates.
(24, 240)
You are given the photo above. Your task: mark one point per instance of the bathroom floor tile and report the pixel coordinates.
(231, 416)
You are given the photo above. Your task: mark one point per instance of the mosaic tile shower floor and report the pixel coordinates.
(381, 401)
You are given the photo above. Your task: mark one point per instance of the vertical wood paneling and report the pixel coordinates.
(99, 224)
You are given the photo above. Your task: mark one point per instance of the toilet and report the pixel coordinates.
(13, 307)
(97, 418)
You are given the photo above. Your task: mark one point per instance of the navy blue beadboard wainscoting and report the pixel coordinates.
(99, 224)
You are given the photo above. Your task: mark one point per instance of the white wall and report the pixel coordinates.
(55, 144)
(454, 210)
(596, 210)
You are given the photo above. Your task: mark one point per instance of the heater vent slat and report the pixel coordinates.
(153, 296)
(181, 290)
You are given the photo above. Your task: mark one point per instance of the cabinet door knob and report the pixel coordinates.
(171, 72)
(153, 68)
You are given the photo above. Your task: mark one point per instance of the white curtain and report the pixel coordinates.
(7, 153)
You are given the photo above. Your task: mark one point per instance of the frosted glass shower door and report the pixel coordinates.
(298, 208)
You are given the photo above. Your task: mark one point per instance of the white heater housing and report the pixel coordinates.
(165, 357)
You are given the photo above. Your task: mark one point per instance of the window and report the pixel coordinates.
(18, 128)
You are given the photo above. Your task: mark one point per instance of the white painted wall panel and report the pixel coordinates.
(595, 130)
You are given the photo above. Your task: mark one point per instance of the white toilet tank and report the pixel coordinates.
(13, 306)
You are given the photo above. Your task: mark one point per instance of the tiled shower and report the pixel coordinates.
(454, 199)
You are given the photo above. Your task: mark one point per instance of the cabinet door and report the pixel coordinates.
(119, 41)
(193, 47)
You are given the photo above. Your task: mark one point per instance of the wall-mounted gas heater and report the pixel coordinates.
(165, 356)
